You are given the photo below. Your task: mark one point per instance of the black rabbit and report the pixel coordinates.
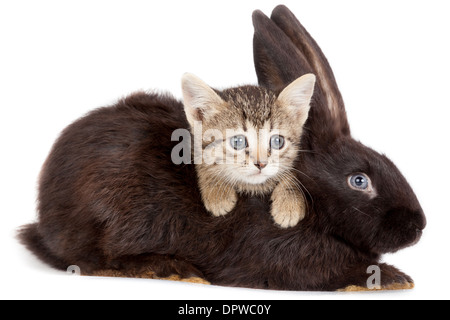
(357, 183)
(112, 202)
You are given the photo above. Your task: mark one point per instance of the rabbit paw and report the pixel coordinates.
(219, 203)
(152, 266)
(391, 287)
(288, 208)
(390, 279)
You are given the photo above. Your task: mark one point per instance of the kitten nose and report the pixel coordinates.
(260, 165)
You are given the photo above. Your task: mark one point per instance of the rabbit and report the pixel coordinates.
(357, 185)
(112, 202)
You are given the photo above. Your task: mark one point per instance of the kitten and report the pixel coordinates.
(246, 140)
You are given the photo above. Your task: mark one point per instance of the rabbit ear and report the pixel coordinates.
(301, 39)
(277, 61)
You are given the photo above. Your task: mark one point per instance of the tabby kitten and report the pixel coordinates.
(246, 140)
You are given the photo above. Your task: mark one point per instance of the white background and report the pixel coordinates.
(60, 59)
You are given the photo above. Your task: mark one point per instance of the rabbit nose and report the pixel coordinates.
(421, 220)
(260, 165)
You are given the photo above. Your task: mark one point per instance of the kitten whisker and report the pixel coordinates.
(292, 180)
(308, 151)
(301, 172)
(358, 210)
(299, 185)
(299, 182)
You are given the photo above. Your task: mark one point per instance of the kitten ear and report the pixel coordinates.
(200, 101)
(297, 96)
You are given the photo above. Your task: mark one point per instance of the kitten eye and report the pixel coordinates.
(239, 142)
(360, 182)
(277, 142)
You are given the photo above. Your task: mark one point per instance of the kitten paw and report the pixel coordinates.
(288, 213)
(222, 205)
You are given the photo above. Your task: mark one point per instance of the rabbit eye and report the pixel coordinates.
(359, 182)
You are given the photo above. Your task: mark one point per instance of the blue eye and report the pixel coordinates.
(359, 181)
(239, 142)
(276, 142)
